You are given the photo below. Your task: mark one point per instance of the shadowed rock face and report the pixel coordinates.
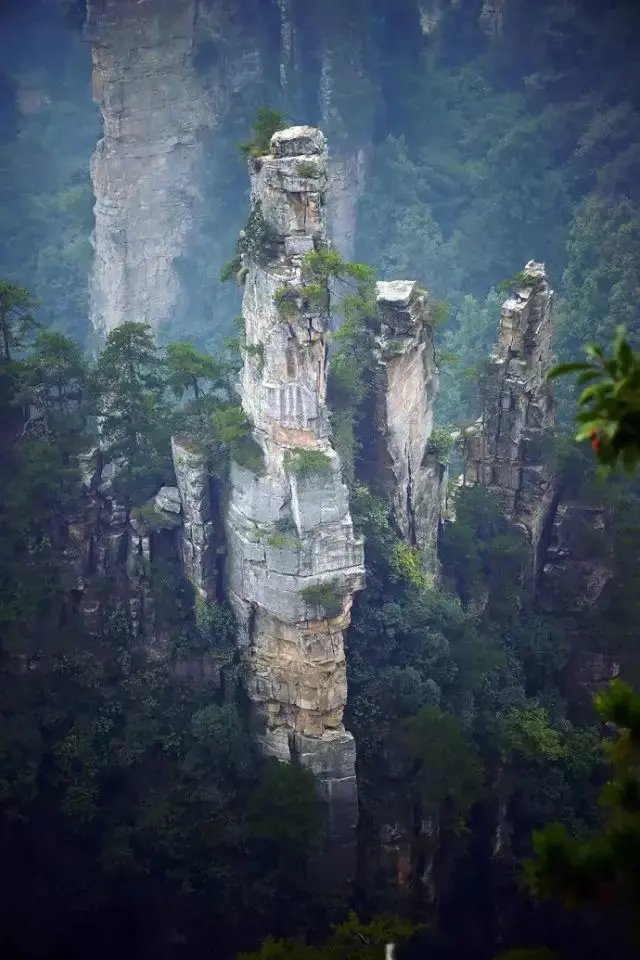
(293, 559)
(406, 385)
(507, 449)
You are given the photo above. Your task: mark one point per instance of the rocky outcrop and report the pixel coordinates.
(109, 553)
(579, 568)
(406, 383)
(293, 559)
(508, 449)
(197, 547)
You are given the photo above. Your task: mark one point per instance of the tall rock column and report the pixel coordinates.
(144, 168)
(293, 559)
(167, 76)
(507, 450)
(406, 384)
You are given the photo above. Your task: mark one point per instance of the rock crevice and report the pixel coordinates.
(508, 449)
(406, 384)
(294, 561)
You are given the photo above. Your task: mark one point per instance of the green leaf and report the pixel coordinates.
(563, 368)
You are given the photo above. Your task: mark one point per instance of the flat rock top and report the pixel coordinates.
(397, 293)
(298, 142)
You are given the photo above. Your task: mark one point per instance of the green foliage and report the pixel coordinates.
(407, 562)
(286, 300)
(231, 268)
(611, 420)
(325, 596)
(187, 368)
(350, 940)
(306, 169)
(604, 868)
(526, 730)
(129, 387)
(17, 323)
(267, 121)
(449, 769)
(305, 463)
(519, 280)
(441, 443)
(282, 542)
(256, 240)
(482, 551)
(247, 453)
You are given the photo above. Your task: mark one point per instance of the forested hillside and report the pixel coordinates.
(138, 812)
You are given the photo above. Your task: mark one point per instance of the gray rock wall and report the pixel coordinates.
(288, 526)
(165, 74)
(508, 450)
(406, 385)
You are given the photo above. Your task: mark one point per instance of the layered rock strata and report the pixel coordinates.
(406, 384)
(293, 559)
(508, 449)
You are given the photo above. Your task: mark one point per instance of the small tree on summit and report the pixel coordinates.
(267, 121)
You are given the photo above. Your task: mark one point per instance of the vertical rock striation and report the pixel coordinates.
(166, 75)
(145, 167)
(293, 559)
(406, 384)
(507, 450)
(345, 95)
(197, 533)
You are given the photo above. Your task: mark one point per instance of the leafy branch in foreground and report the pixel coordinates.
(610, 416)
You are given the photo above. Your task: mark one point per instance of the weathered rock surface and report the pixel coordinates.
(145, 168)
(197, 533)
(405, 389)
(109, 554)
(579, 566)
(293, 559)
(163, 87)
(508, 450)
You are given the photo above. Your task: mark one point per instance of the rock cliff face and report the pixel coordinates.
(406, 384)
(145, 169)
(107, 545)
(293, 559)
(345, 89)
(197, 547)
(163, 87)
(508, 448)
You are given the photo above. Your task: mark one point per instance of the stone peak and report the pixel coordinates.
(299, 141)
(396, 293)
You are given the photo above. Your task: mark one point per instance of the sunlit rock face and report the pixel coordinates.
(288, 525)
(508, 450)
(406, 385)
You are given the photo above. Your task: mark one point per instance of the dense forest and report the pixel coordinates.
(137, 811)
